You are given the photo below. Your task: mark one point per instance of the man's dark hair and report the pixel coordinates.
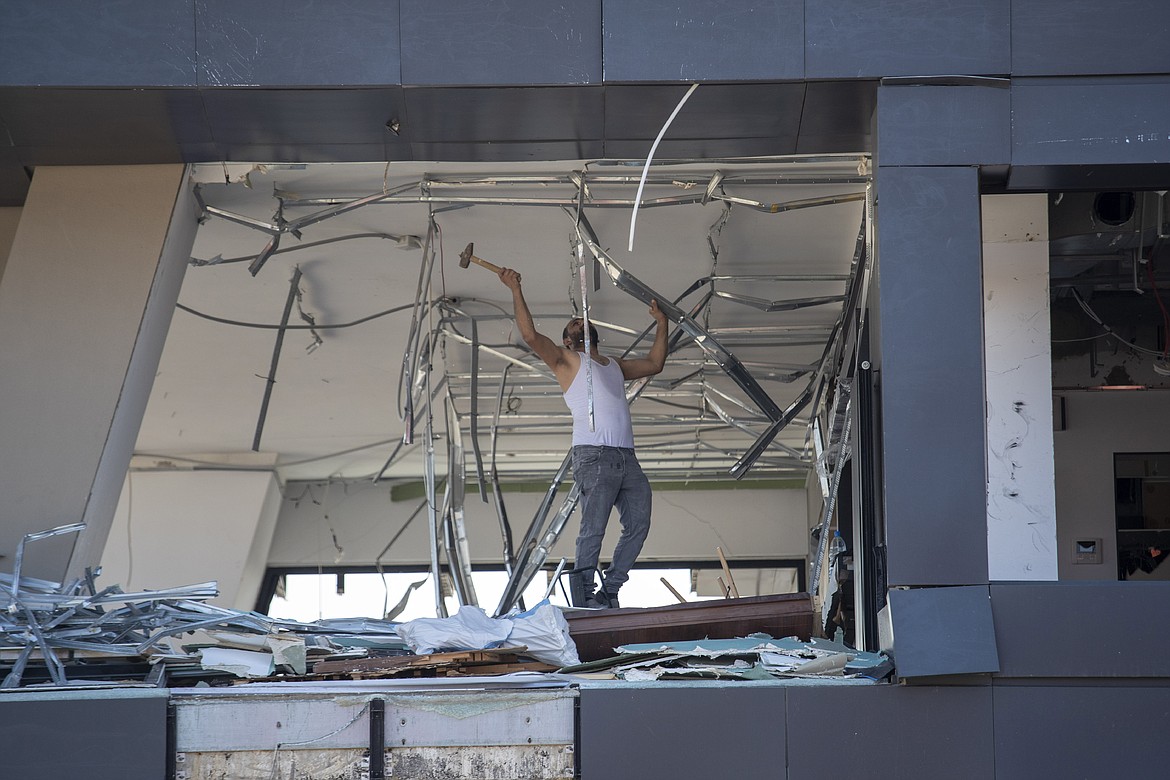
(593, 337)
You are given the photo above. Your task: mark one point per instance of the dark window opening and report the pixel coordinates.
(1142, 501)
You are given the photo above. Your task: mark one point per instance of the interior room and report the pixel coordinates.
(1110, 274)
(399, 373)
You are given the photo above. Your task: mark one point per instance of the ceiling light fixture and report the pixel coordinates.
(1119, 379)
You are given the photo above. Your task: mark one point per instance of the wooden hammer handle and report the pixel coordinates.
(490, 266)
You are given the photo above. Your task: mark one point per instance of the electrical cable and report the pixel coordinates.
(229, 467)
(1086, 338)
(265, 326)
(275, 771)
(1108, 330)
(321, 242)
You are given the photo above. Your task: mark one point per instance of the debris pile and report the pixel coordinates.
(757, 657)
(79, 635)
(75, 634)
(90, 628)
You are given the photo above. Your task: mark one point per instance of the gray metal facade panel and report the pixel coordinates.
(837, 117)
(930, 253)
(943, 631)
(689, 148)
(444, 115)
(98, 739)
(714, 111)
(944, 125)
(83, 43)
(299, 117)
(1080, 732)
(726, 731)
(83, 119)
(712, 40)
(1141, 176)
(1090, 121)
(298, 43)
(1068, 37)
(1082, 629)
(309, 152)
(521, 151)
(464, 42)
(868, 38)
(890, 731)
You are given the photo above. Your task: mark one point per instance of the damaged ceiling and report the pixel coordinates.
(757, 253)
(1110, 273)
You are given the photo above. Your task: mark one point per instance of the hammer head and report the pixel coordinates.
(465, 255)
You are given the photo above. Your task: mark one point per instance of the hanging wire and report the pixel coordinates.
(275, 771)
(1108, 330)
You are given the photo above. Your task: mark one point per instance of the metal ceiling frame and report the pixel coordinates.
(761, 418)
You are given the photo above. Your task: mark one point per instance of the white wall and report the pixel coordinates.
(686, 524)
(1021, 505)
(183, 527)
(176, 528)
(1098, 425)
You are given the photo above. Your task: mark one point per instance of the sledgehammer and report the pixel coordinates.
(466, 258)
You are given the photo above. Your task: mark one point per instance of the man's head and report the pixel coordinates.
(574, 334)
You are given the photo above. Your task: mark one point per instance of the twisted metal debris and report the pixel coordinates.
(56, 621)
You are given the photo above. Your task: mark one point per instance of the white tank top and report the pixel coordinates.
(611, 413)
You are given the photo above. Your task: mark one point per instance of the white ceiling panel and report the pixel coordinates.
(335, 405)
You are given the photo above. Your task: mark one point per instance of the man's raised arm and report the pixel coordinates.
(653, 363)
(545, 348)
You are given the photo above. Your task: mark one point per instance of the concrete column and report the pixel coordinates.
(85, 302)
(1021, 492)
(176, 528)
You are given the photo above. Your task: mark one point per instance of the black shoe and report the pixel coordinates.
(603, 600)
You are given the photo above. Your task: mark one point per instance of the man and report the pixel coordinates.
(604, 464)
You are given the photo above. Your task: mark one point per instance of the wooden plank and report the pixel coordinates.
(456, 663)
(359, 664)
(670, 587)
(727, 571)
(390, 663)
(597, 632)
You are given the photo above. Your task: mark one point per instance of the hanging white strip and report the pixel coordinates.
(585, 319)
(650, 157)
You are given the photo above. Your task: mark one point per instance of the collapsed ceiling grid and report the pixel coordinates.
(754, 259)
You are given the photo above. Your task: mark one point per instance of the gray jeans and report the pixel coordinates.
(609, 477)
